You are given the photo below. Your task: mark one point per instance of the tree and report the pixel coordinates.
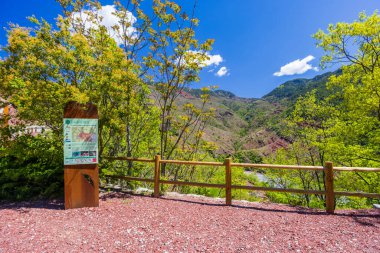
(81, 59)
(357, 96)
(139, 112)
(169, 56)
(344, 126)
(175, 61)
(45, 68)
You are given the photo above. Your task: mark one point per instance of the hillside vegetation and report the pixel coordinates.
(291, 90)
(255, 125)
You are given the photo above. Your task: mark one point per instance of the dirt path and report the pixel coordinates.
(125, 223)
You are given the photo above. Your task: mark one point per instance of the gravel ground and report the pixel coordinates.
(178, 223)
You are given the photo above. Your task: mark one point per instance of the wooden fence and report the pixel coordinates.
(228, 164)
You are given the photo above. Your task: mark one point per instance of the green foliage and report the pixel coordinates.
(292, 90)
(247, 156)
(343, 127)
(176, 59)
(31, 167)
(47, 67)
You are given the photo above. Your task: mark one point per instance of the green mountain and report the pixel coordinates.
(253, 126)
(293, 89)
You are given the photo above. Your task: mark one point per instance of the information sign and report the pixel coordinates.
(80, 141)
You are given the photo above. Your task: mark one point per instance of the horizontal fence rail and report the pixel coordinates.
(228, 164)
(357, 169)
(192, 163)
(129, 159)
(273, 166)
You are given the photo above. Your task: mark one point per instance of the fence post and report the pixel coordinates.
(329, 181)
(228, 162)
(157, 159)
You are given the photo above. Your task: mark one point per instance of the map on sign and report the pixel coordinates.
(80, 141)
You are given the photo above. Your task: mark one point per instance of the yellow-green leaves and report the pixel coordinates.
(344, 126)
(355, 43)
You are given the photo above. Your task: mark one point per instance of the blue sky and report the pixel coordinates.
(254, 38)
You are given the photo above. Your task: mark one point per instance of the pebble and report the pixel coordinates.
(180, 223)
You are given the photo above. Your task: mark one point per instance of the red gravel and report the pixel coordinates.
(125, 223)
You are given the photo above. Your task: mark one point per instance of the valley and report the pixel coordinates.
(253, 127)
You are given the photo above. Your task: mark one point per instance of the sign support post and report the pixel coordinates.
(81, 173)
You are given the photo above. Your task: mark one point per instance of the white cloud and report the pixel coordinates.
(109, 20)
(297, 67)
(222, 72)
(215, 59)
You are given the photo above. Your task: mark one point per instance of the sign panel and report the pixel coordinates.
(80, 141)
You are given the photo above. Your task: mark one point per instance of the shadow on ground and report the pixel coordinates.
(41, 204)
(370, 217)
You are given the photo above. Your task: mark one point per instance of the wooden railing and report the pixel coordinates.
(228, 164)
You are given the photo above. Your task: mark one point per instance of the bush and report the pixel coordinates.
(31, 168)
